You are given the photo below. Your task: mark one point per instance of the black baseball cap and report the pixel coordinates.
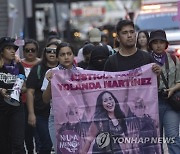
(7, 41)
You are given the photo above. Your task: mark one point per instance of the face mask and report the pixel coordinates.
(98, 64)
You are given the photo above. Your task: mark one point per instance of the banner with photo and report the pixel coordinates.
(106, 112)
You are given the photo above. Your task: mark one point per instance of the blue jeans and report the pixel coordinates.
(43, 133)
(52, 131)
(170, 120)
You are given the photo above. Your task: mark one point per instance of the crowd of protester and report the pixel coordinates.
(33, 120)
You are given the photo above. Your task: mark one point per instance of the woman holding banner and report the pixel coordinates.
(65, 56)
(108, 124)
(168, 116)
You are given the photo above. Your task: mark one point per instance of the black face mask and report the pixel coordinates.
(98, 64)
(87, 59)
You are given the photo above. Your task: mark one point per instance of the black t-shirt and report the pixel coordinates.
(117, 62)
(34, 81)
(7, 81)
(83, 64)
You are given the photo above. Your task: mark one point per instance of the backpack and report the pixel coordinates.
(109, 51)
(173, 57)
(39, 72)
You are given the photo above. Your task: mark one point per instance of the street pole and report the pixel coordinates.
(68, 24)
(56, 16)
(26, 33)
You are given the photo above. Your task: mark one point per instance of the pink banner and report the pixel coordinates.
(106, 112)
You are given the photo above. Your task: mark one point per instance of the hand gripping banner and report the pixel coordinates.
(106, 112)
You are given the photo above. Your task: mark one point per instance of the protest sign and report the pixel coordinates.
(106, 112)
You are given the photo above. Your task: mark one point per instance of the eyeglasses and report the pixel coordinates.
(30, 50)
(50, 50)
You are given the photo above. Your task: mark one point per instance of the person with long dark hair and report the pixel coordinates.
(65, 56)
(108, 119)
(142, 41)
(12, 122)
(30, 51)
(38, 112)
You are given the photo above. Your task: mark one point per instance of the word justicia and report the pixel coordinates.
(84, 77)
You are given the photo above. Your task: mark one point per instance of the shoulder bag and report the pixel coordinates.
(174, 100)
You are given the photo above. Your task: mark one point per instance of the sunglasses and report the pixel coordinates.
(30, 50)
(50, 50)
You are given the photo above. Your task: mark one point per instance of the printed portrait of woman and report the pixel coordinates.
(108, 122)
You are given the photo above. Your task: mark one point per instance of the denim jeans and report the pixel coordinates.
(52, 131)
(12, 130)
(170, 121)
(43, 133)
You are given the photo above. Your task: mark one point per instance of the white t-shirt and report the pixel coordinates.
(46, 82)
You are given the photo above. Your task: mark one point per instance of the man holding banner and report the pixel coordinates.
(128, 57)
